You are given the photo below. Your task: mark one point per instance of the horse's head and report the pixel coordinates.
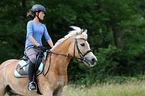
(80, 48)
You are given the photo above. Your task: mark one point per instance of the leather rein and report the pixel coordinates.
(79, 52)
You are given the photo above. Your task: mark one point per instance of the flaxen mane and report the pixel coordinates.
(71, 33)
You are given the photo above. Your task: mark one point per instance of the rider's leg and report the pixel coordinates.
(31, 71)
(39, 60)
(31, 53)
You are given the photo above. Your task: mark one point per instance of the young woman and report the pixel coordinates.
(33, 44)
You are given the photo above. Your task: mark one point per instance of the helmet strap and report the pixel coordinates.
(38, 15)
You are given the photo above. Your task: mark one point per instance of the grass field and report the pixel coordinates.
(129, 88)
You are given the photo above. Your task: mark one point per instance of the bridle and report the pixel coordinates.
(79, 52)
(75, 46)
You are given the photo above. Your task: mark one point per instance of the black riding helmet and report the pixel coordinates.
(37, 8)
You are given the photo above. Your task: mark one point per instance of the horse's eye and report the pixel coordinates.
(82, 44)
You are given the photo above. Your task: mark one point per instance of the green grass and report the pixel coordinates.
(131, 88)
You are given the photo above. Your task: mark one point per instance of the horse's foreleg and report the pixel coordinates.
(2, 89)
(59, 93)
(47, 94)
(2, 92)
(46, 91)
(2, 86)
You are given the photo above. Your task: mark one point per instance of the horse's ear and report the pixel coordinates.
(80, 32)
(86, 31)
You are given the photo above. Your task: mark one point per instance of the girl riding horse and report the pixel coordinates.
(54, 77)
(33, 44)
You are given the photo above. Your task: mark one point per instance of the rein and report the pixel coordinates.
(79, 52)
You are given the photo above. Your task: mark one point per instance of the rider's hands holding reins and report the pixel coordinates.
(42, 48)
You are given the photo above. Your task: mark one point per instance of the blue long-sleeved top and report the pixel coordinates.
(37, 31)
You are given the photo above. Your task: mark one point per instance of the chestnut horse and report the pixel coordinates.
(73, 45)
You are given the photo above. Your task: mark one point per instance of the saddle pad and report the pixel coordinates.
(21, 69)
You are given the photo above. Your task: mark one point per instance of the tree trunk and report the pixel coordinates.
(24, 7)
(116, 37)
(24, 3)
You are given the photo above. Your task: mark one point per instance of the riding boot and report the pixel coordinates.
(31, 71)
(39, 60)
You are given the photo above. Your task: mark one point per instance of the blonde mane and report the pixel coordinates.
(71, 33)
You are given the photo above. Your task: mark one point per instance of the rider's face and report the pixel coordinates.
(41, 15)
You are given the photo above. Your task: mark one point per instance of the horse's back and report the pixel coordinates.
(8, 65)
(9, 62)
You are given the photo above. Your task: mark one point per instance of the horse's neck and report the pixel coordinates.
(60, 63)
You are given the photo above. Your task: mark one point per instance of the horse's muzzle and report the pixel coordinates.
(90, 62)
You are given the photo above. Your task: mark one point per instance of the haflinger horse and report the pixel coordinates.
(73, 45)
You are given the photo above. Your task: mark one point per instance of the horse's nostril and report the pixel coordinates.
(94, 60)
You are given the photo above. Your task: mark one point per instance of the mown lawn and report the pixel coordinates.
(136, 88)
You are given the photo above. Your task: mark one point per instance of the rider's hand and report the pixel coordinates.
(42, 48)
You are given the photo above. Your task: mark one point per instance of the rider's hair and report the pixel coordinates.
(30, 15)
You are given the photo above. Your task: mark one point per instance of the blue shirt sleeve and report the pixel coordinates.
(46, 35)
(29, 29)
